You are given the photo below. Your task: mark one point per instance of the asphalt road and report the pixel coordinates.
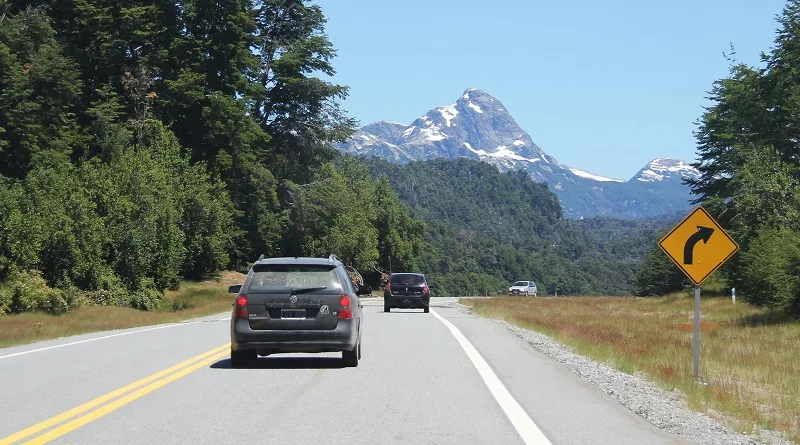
(438, 378)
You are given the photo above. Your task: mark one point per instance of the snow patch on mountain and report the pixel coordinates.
(518, 143)
(448, 113)
(475, 107)
(394, 123)
(433, 133)
(592, 176)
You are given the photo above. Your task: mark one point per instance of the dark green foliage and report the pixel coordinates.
(38, 95)
(299, 111)
(485, 229)
(658, 275)
(770, 270)
(111, 206)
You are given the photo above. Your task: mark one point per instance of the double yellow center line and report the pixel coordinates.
(96, 408)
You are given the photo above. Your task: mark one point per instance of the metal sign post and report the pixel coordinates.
(696, 366)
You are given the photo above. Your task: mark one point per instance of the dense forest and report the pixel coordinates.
(749, 156)
(147, 142)
(485, 229)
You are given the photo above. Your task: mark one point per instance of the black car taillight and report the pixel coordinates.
(240, 307)
(345, 313)
(425, 290)
(389, 287)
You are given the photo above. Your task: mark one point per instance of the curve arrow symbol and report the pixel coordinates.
(703, 233)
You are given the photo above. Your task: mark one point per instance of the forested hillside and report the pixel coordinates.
(142, 143)
(486, 229)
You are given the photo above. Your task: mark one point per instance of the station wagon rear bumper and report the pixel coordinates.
(343, 338)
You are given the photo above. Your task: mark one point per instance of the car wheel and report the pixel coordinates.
(240, 358)
(526, 294)
(386, 308)
(426, 309)
(359, 350)
(350, 358)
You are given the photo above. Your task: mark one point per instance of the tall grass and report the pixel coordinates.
(750, 358)
(194, 299)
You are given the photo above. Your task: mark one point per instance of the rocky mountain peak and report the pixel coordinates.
(478, 126)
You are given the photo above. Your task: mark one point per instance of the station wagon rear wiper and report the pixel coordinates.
(304, 290)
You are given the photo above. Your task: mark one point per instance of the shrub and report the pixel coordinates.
(29, 292)
(770, 271)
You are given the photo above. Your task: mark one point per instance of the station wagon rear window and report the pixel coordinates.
(521, 283)
(285, 277)
(407, 280)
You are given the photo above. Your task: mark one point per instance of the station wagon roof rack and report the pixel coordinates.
(333, 257)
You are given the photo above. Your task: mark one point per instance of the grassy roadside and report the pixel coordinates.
(193, 299)
(749, 357)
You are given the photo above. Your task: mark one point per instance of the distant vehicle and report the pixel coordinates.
(523, 288)
(407, 290)
(296, 305)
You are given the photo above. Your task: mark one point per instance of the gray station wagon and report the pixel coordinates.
(296, 305)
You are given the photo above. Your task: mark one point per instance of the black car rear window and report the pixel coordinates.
(284, 277)
(408, 280)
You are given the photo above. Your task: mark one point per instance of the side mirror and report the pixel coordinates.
(235, 289)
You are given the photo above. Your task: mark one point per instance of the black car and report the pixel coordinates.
(296, 305)
(407, 290)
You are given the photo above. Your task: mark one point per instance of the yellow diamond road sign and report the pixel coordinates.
(698, 245)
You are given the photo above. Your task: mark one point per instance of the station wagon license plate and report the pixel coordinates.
(293, 314)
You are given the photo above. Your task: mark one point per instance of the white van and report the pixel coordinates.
(523, 288)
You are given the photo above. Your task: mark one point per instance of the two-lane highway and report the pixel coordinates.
(438, 378)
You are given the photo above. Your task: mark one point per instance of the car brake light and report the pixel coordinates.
(425, 290)
(389, 287)
(345, 313)
(241, 307)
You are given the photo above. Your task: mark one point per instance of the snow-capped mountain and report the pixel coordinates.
(666, 169)
(478, 126)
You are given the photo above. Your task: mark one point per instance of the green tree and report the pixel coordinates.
(658, 275)
(38, 95)
(301, 112)
(399, 233)
(771, 270)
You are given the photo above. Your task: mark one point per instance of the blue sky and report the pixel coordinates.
(604, 86)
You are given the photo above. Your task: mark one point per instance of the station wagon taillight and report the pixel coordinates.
(240, 310)
(388, 287)
(425, 290)
(345, 313)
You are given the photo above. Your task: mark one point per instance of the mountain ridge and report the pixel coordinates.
(478, 126)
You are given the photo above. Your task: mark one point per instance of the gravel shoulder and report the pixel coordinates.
(666, 410)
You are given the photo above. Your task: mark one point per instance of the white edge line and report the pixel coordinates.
(526, 428)
(97, 338)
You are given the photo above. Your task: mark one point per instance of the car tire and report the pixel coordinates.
(240, 358)
(386, 308)
(526, 293)
(350, 358)
(359, 350)
(426, 309)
